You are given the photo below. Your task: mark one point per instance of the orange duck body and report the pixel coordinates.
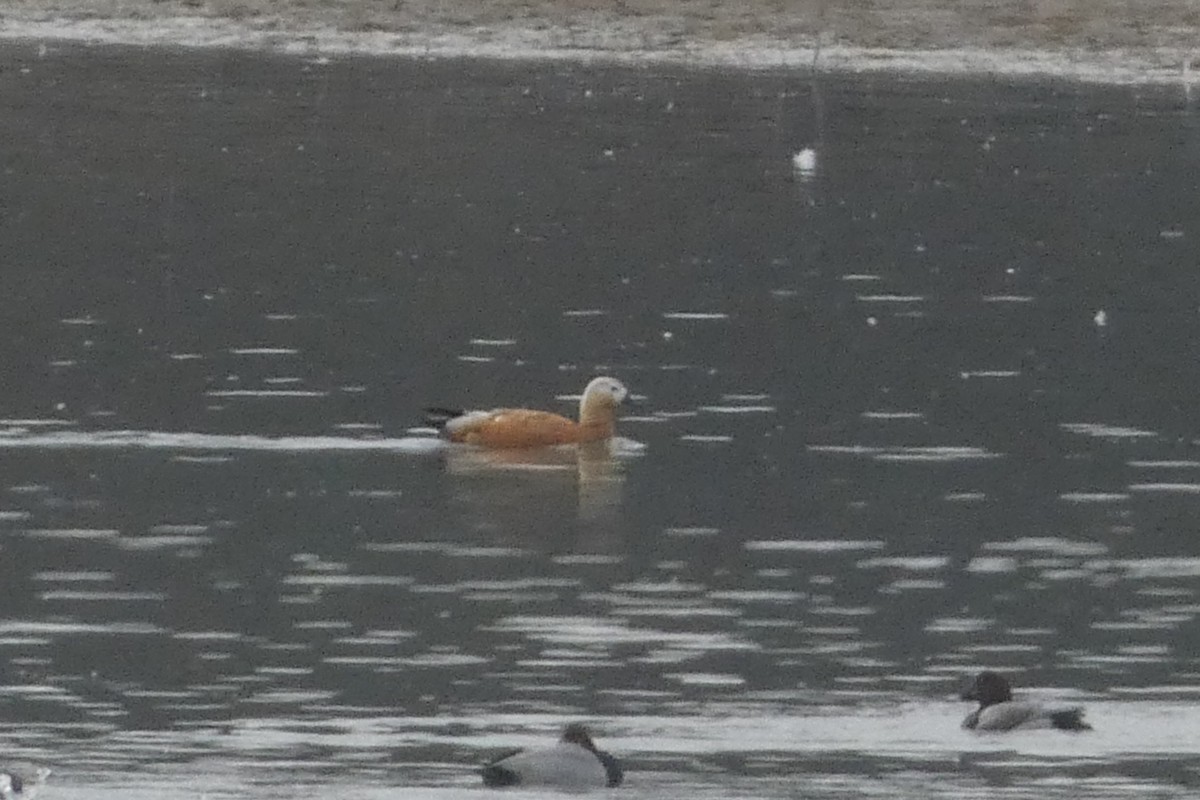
(510, 428)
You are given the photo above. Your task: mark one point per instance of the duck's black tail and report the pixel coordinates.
(496, 775)
(438, 417)
(1069, 719)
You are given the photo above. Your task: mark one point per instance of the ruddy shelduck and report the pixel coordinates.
(574, 763)
(523, 427)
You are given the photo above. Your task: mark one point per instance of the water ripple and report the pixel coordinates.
(157, 440)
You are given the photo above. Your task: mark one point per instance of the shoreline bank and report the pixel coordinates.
(797, 42)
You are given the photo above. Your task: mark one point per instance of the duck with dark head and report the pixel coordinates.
(573, 763)
(999, 712)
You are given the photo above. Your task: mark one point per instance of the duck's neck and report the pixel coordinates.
(598, 418)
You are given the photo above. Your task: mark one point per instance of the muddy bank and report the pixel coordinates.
(1107, 40)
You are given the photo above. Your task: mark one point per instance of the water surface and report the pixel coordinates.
(923, 410)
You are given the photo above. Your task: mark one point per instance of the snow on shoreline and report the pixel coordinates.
(617, 45)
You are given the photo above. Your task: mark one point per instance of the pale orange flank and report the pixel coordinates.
(522, 427)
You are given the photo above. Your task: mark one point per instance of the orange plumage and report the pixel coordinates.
(505, 428)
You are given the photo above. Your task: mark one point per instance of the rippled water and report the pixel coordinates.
(925, 409)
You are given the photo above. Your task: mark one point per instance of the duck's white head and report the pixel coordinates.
(604, 391)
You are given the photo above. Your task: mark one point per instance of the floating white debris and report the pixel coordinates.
(805, 161)
(1101, 318)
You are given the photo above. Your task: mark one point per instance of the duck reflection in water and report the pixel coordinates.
(541, 491)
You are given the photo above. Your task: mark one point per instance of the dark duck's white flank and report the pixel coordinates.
(999, 712)
(21, 781)
(572, 763)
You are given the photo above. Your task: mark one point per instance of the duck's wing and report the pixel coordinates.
(497, 773)
(511, 427)
(507, 754)
(1010, 715)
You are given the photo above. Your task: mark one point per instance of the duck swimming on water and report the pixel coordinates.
(522, 427)
(999, 712)
(573, 763)
(21, 781)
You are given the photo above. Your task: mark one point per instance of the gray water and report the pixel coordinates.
(927, 409)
